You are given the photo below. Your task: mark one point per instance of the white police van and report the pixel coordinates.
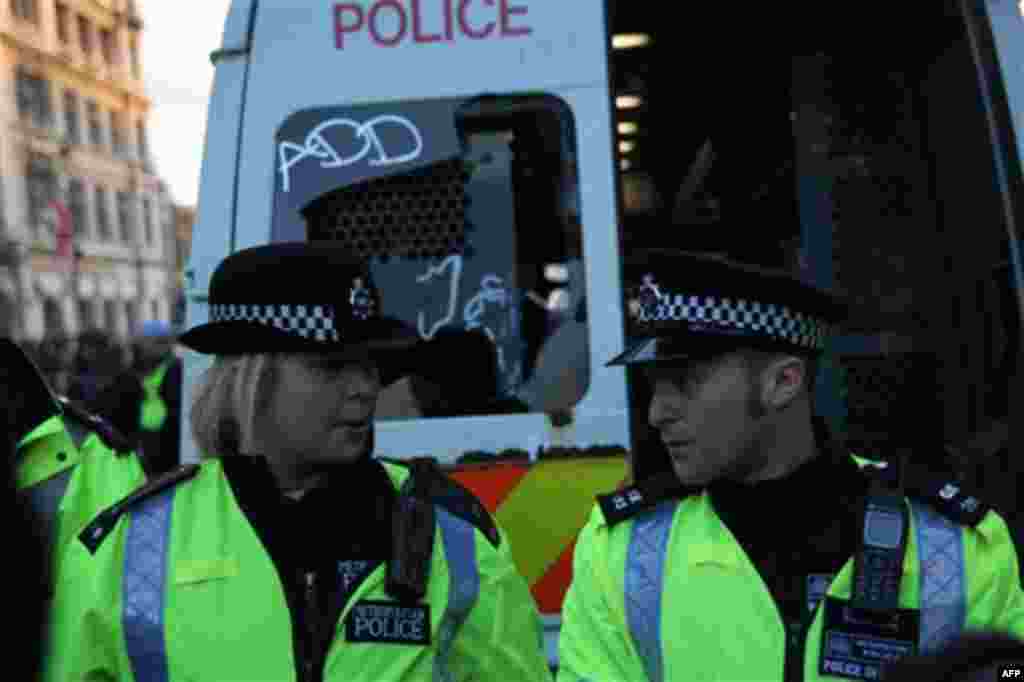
(495, 159)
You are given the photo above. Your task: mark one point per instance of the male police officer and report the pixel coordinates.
(759, 549)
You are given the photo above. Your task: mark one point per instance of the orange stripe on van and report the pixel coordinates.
(542, 507)
(491, 483)
(549, 591)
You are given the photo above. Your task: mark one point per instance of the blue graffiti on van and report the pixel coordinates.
(452, 263)
(487, 310)
(493, 292)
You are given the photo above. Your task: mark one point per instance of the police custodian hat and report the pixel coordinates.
(681, 305)
(296, 297)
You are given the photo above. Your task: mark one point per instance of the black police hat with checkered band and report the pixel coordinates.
(681, 305)
(297, 297)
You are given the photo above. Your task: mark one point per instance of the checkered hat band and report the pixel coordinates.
(314, 322)
(738, 316)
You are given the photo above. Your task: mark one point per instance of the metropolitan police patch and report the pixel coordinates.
(859, 645)
(353, 572)
(387, 622)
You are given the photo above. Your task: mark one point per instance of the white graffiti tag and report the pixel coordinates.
(492, 290)
(454, 265)
(492, 293)
(316, 146)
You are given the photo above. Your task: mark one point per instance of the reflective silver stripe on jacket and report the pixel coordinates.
(940, 558)
(942, 570)
(45, 497)
(145, 577)
(644, 584)
(146, 553)
(459, 539)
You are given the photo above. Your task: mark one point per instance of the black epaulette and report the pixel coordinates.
(940, 488)
(75, 415)
(100, 527)
(430, 483)
(627, 502)
(414, 525)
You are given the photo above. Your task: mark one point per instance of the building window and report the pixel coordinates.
(34, 98)
(8, 316)
(25, 9)
(95, 124)
(110, 316)
(78, 207)
(72, 117)
(136, 65)
(117, 135)
(85, 34)
(53, 319)
(154, 309)
(86, 319)
(106, 46)
(131, 313)
(3, 206)
(41, 183)
(103, 215)
(147, 220)
(63, 23)
(126, 216)
(143, 141)
(181, 248)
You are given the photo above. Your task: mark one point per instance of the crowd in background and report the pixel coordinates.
(80, 367)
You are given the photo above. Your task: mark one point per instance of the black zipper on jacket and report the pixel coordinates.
(295, 597)
(312, 666)
(796, 644)
(300, 594)
(314, 607)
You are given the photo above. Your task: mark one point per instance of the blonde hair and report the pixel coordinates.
(228, 400)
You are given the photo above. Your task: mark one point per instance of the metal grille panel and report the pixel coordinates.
(418, 215)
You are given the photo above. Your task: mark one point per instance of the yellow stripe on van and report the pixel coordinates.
(550, 504)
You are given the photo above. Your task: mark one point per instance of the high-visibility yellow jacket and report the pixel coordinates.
(670, 595)
(153, 410)
(181, 588)
(69, 474)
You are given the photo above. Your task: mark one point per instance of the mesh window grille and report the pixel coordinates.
(418, 215)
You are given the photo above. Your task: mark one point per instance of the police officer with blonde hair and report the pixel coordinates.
(752, 545)
(290, 552)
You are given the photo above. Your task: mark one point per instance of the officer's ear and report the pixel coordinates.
(783, 380)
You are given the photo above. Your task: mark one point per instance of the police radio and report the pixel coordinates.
(878, 565)
(863, 636)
